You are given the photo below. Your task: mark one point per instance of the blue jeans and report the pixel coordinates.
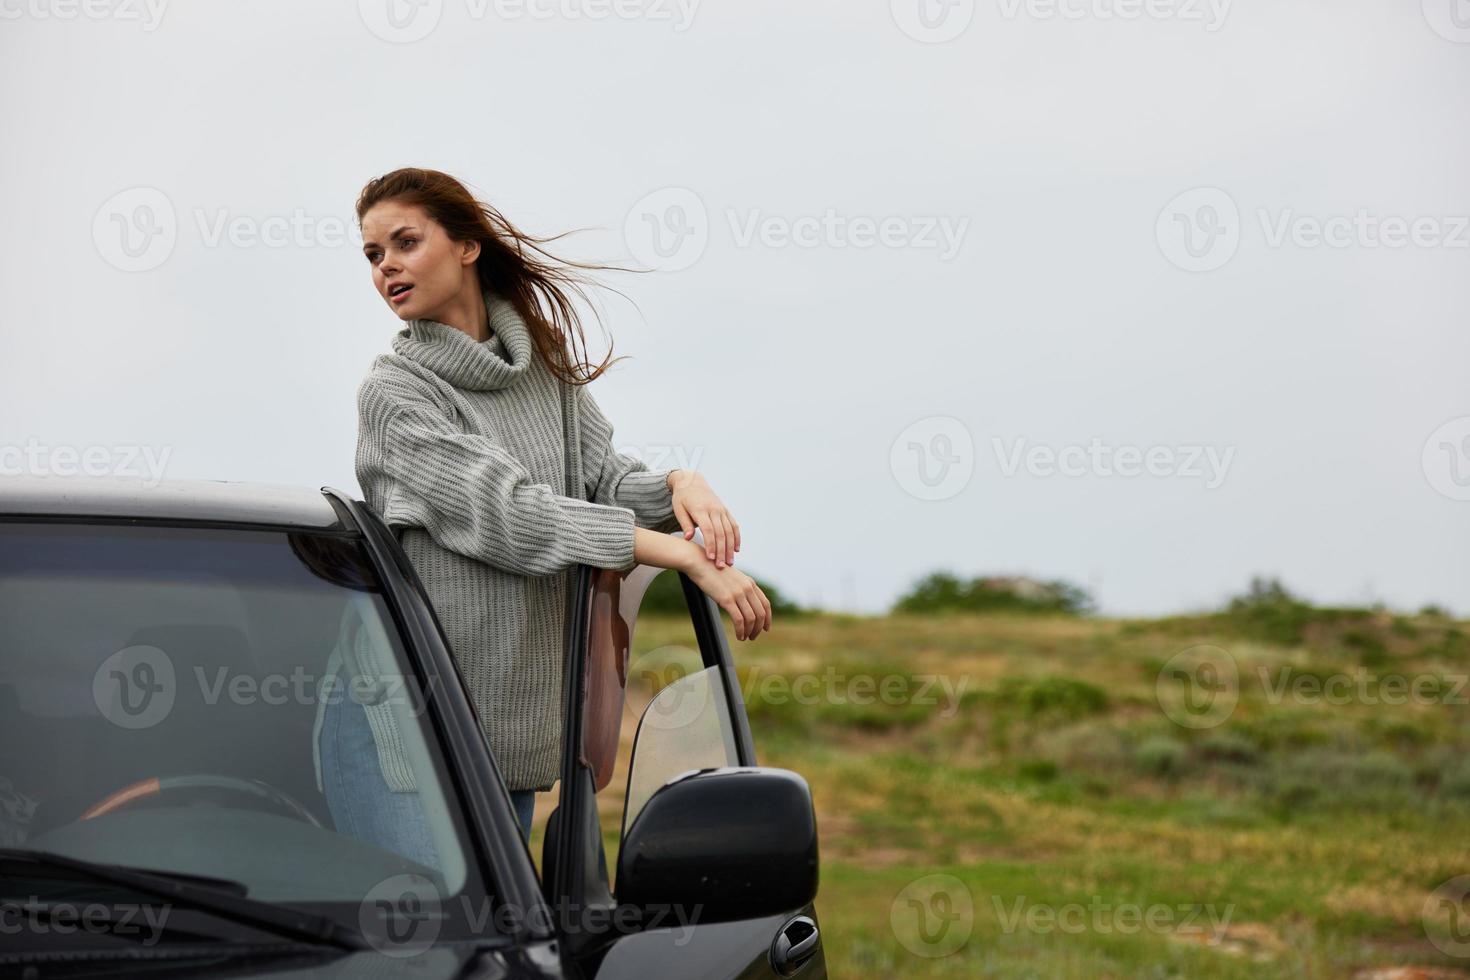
(359, 799)
(525, 804)
(524, 800)
(361, 804)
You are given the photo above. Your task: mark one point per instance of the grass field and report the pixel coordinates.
(1050, 797)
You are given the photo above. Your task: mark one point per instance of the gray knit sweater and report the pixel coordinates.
(503, 479)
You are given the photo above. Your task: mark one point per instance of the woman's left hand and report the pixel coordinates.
(696, 505)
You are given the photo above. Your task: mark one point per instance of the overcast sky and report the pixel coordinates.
(933, 280)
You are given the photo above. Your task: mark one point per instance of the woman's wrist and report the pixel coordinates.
(667, 550)
(679, 477)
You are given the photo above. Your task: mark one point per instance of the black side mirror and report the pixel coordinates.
(722, 844)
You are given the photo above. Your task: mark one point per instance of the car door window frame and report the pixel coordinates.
(573, 883)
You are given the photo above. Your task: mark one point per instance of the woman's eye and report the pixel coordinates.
(409, 241)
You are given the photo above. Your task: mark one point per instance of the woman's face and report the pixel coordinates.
(407, 248)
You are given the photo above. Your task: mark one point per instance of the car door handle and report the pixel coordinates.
(796, 943)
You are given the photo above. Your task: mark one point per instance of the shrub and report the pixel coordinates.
(1062, 697)
(946, 592)
(1160, 755)
(1227, 746)
(666, 596)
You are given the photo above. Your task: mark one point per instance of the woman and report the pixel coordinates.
(478, 437)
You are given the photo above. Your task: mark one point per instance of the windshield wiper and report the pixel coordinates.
(185, 892)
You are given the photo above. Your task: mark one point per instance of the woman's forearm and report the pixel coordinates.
(664, 550)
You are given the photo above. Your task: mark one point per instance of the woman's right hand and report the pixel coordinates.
(736, 593)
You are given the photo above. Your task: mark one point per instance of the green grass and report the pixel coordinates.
(1055, 798)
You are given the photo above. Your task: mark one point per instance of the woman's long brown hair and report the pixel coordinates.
(512, 264)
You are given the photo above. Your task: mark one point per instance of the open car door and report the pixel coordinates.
(716, 865)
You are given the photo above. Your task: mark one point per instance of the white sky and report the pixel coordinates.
(1048, 144)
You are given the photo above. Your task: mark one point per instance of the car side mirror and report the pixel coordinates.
(722, 844)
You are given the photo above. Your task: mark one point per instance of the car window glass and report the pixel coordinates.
(167, 694)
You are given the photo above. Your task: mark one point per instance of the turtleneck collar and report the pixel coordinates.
(455, 356)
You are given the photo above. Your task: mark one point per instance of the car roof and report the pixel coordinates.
(183, 500)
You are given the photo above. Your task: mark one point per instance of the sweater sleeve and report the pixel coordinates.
(619, 480)
(470, 494)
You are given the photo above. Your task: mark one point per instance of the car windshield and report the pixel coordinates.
(177, 699)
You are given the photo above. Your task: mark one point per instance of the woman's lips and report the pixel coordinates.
(398, 298)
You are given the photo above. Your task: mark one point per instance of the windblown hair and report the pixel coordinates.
(512, 264)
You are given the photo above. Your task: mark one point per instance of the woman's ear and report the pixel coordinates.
(470, 251)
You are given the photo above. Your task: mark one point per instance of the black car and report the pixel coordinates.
(162, 653)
